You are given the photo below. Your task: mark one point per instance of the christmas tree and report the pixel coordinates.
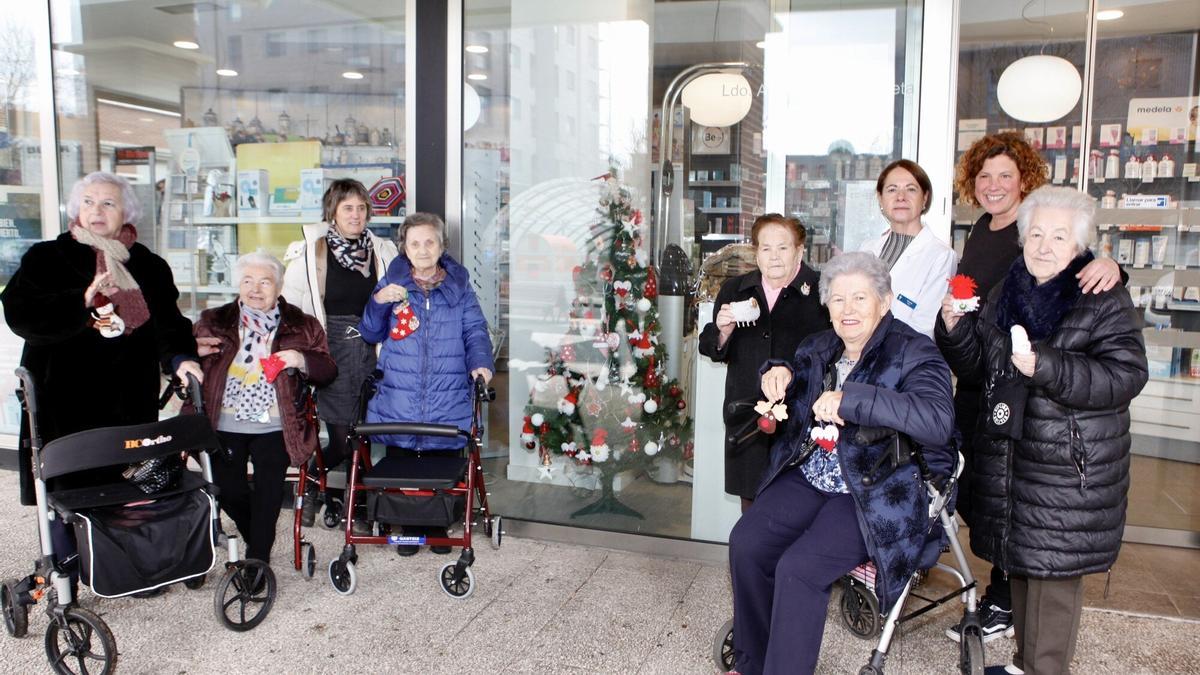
(604, 400)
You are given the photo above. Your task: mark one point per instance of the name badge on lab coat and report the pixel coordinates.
(907, 301)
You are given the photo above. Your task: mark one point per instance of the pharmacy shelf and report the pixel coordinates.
(714, 209)
(278, 220)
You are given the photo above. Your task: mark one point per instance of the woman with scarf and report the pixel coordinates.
(98, 314)
(1050, 470)
(330, 275)
(258, 350)
(434, 341)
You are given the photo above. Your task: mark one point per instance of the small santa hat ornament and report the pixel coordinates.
(527, 434)
(566, 405)
(962, 293)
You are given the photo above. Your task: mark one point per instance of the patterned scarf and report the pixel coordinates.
(353, 254)
(247, 391)
(111, 256)
(432, 282)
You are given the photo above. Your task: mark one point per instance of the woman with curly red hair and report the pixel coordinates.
(997, 173)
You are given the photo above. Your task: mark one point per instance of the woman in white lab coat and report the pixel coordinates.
(920, 262)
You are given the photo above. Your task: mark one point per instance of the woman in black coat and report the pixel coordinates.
(785, 290)
(98, 314)
(1050, 471)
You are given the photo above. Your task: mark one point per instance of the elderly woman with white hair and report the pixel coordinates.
(98, 314)
(259, 353)
(1051, 468)
(813, 519)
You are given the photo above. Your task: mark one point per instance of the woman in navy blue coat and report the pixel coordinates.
(434, 339)
(813, 520)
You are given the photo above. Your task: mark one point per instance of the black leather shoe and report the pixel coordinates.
(152, 593)
(406, 550)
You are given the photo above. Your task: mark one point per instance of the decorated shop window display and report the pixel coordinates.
(604, 400)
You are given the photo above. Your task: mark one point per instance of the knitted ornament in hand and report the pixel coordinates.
(826, 437)
(770, 413)
(406, 322)
(272, 366)
(962, 294)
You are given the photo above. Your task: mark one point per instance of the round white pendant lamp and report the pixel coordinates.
(1039, 88)
(471, 106)
(718, 99)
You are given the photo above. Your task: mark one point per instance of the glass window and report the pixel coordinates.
(606, 417)
(20, 176)
(1137, 156)
(241, 148)
(1144, 122)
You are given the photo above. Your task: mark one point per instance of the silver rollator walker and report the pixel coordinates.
(112, 524)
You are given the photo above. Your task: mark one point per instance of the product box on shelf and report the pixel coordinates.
(253, 190)
(1162, 360)
(313, 183)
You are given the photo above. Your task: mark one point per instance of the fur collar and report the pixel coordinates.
(1039, 308)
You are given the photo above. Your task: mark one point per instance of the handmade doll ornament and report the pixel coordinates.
(105, 318)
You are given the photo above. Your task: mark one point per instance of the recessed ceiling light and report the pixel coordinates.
(1109, 15)
(477, 49)
(477, 77)
(761, 44)
(186, 44)
(227, 72)
(352, 75)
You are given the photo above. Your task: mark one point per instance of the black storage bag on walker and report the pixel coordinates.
(438, 510)
(125, 549)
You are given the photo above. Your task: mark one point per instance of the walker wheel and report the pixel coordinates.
(970, 654)
(80, 642)
(860, 610)
(333, 514)
(461, 588)
(16, 615)
(496, 530)
(308, 559)
(342, 576)
(195, 582)
(245, 595)
(723, 647)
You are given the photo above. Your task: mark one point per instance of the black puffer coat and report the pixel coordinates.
(1052, 505)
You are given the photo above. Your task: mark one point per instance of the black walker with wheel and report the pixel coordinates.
(432, 491)
(859, 607)
(119, 528)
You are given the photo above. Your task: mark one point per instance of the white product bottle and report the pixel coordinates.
(1133, 168)
(1109, 200)
(1166, 167)
(1106, 245)
(1149, 169)
(1112, 165)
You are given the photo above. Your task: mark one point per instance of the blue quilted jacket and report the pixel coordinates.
(425, 376)
(901, 382)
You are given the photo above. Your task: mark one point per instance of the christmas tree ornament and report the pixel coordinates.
(650, 406)
(674, 391)
(105, 319)
(962, 294)
(650, 288)
(406, 322)
(538, 419)
(599, 447)
(770, 414)
(644, 305)
(566, 405)
(527, 434)
(544, 471)
(651, 449)
(628, 425)
(681, 404)
(271, 367)
(568, 352)
(633, 444)
(643, 347)
(569, 449)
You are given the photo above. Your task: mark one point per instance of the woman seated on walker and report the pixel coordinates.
(813, 520)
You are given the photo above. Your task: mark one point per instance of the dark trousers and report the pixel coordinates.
(1046, 616)
(253, 511)
(784, 555)
(967, 403)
